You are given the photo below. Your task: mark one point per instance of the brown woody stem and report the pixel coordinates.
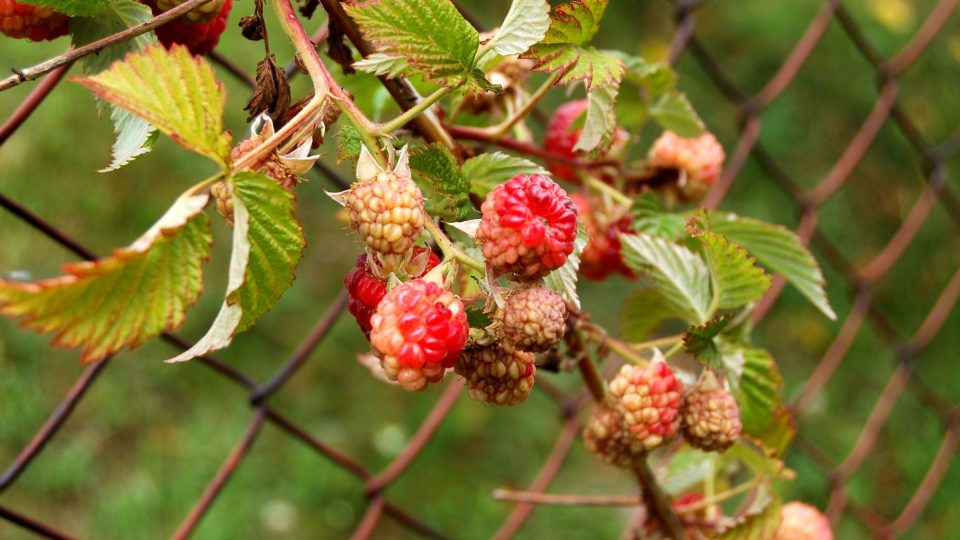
(658, 501)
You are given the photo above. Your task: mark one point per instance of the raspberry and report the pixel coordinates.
(607, 437)
(190, 29)
(528, 227)
(418, 330)
(385, 207)
(534, 319)
(560, 138)
(800, 521)
(649, 400)
(697, 160)
(31, 22)
(602, 255)
(497, 375)
(366, 290)
(711, 418)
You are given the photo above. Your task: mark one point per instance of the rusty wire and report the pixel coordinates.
(862, 280)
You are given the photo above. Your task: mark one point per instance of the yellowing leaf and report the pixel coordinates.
(122, 300)
(267, 246)
(173, 90)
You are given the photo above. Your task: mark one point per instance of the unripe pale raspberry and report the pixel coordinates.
(271, 165)
(534, 319)
(23, 21)
(497, 375)
(711, 418)
(418, 330)
(800, 521)
(697, 160)
(607, 437)
(602, 256)
(200, 37)
(366, 289)
(528, 227)
(386, 211)
(649, 400)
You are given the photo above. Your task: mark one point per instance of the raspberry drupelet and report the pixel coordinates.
(697, 160)
(528, 227)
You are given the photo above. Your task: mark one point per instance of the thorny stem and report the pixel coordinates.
(625, 350)
(499, 130)
(413, 112)
(449, 250)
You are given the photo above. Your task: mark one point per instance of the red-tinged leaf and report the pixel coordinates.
(122, 300)
(173, 90)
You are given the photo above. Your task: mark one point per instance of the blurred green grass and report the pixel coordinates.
(148, 437)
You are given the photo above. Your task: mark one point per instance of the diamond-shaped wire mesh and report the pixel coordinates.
(812, 202)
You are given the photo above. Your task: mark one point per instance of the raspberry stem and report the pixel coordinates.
(601, 186)
(387, 128)
(659, 342)
(449, 250)
(503, 127)
(658, 499)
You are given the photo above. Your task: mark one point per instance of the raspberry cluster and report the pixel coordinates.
(606, 436)
(800, 521)
(23, 21)
(366, 288)
(649, 399)
(534, 319)
(418, 331)
(602, 256)
(698, 161)
(528, 227)
(497, 374)
(199, 29)
(711, 418)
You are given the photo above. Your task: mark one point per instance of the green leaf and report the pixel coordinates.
(737, 281)
(73, 8)
(486, 171)
(525, 24)
(699, 342)
(135, 136)
(564, 279)
(268, 244)
(759, 521)
(563, 48)
(430, 35)
(674, 112)
(680, 274)
(657, 79)
(642, 313)
(382, 65)
(349, 143)
(757, 392)
(122, 300)
(780, 250)
(446, 189)
(601, 120)
(173, 90)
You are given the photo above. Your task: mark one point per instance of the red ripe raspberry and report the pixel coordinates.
(697, 160)
(528, 227)
(602, 256)
(31, 22)
(497, 375)
(534, 319)
(196, 30)
(800, 521)
(649, 399)
(607, 437)
(418, 331)
(711, 418)
(560, 138)
(366, 290)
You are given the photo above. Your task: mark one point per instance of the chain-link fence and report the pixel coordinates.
(906, 346)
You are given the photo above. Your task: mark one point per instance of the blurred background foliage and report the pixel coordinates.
(148, 437)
